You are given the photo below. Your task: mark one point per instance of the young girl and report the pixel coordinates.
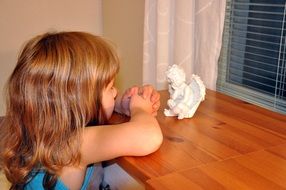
(62, 82)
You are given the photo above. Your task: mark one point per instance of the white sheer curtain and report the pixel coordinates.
(183, 32)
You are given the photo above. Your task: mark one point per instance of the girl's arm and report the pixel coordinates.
(138, 137)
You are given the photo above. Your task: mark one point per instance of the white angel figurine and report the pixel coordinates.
(184, 98)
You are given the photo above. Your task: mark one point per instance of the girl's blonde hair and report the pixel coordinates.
(53, 93)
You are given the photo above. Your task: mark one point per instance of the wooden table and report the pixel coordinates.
(228, 144)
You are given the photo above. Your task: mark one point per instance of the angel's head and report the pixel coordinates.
(175, 76)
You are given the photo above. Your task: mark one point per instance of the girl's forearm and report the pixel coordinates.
(149, 131)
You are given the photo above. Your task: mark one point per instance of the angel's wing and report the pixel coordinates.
(198, 91)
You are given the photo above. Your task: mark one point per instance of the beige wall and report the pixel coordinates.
(123, 22)
(20, 20)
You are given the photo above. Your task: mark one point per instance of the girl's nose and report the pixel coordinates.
(115, 91)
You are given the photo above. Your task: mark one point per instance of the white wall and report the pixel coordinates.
(22, 19)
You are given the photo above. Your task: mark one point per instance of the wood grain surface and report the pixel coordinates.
(228, 144)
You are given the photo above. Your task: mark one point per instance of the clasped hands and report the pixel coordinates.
(147, 92)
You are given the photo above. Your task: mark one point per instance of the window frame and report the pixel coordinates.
(246, 94)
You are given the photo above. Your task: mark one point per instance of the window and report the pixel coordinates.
(253, 57)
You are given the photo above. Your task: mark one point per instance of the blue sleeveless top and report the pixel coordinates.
(93, 178)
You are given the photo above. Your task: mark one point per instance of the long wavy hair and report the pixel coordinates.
(53, 93)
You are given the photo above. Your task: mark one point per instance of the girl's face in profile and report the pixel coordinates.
(108, 99)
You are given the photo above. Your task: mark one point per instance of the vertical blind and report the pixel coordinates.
(252, 64)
